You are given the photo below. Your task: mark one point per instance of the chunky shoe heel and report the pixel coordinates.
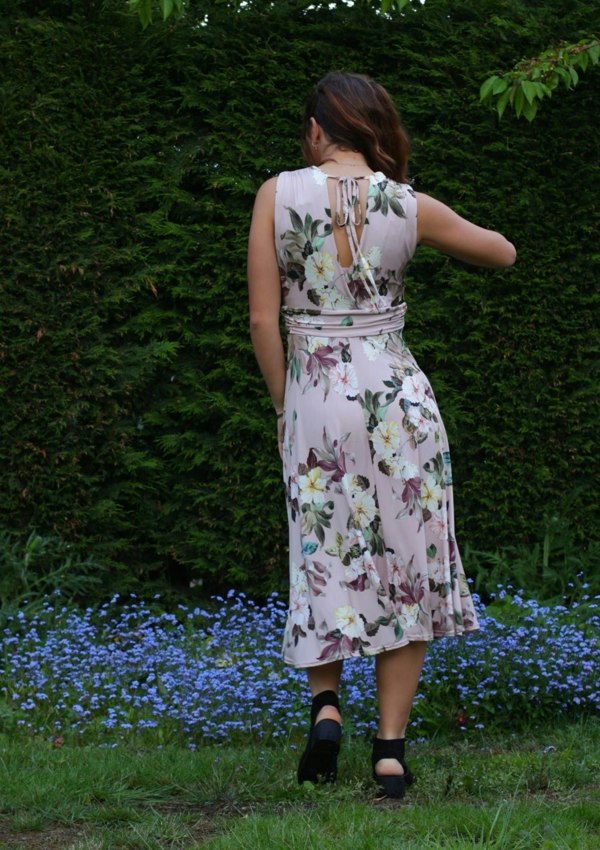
(320, 756)
(391, 786)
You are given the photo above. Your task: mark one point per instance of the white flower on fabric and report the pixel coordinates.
(316, 342)
(344, 379)
(319, 268)
(355, 568)
(401, 469)
(413, 389)
(393, 189)
(298, 581)
(299, 602)
(431, 493)
(351, 484)
(439, 524)
(299, 608)
(396, 467)
(410, 471)
(395, 566)
(348, 621)
(371, 569)
(365, 509)
(438, 571)
(331, 299)
(373, 346)
(418, 421)
(312, 486)
(371, 260)
(319, 176)
(386, 439)
(409, 615)
(429, 404)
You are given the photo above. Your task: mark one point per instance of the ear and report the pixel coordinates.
(314, 132)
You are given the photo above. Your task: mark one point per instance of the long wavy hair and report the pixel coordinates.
(358, 113)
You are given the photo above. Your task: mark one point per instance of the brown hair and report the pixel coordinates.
(358, 113)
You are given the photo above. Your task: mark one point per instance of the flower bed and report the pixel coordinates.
(127, 671)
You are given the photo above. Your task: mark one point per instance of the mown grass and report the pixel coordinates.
(536, 790)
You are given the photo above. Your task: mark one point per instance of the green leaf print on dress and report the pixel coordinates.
(386, 195)
(304, 241)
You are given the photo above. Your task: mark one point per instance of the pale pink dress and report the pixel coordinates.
(366, 465)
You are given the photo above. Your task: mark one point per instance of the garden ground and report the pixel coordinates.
(485, 790)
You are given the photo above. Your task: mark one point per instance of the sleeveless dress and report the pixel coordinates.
(366, 465)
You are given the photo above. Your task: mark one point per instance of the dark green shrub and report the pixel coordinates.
(136, 425)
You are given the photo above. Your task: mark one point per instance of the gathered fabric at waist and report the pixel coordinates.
(348, 323)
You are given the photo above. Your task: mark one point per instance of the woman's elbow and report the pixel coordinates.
(510, 254)
(263, 321)
(504, 254)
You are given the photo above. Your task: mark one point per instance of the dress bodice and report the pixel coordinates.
(314, 281)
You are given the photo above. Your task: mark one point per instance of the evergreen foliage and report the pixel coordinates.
(136, 425)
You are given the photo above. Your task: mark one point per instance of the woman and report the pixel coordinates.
(374, 567)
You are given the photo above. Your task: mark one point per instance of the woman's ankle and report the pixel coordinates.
(388, 767)
(328, 712)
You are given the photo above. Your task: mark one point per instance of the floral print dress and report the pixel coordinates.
(366, 465)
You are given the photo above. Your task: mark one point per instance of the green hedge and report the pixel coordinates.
(135, 422)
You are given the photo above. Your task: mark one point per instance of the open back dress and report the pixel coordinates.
(373, 559)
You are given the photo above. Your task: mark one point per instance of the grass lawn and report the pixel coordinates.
(535, 790)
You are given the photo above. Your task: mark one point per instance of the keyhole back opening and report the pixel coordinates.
(348, 215)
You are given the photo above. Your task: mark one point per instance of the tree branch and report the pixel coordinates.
(531, 80)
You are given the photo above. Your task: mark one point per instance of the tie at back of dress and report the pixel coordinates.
(348, 214)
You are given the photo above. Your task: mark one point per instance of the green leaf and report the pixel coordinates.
(167, 8)
(583, 60)
(530, 90)
(296, 221)
(594, 54)
(386, 5)
(564, 75)
(144, 10)
(502, 103)
(529, 110)
(487, 87)
(500, 86)
(574, 76)
(519, 101)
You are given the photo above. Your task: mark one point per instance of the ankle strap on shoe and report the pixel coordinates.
(388, 749)
(320, 701)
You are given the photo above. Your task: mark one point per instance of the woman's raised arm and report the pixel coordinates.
(441, 228)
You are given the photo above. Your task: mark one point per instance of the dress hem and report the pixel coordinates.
(346, 656)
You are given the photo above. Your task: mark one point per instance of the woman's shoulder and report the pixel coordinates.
(308, 172)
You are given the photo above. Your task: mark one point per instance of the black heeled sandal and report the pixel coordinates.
(320, 756)
(391, 786)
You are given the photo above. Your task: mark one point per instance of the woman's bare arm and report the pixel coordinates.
(264, 290)
(441, 228)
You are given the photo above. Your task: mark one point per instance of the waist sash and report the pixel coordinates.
(350, 323)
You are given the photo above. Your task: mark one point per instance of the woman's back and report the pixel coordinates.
(343, 242)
